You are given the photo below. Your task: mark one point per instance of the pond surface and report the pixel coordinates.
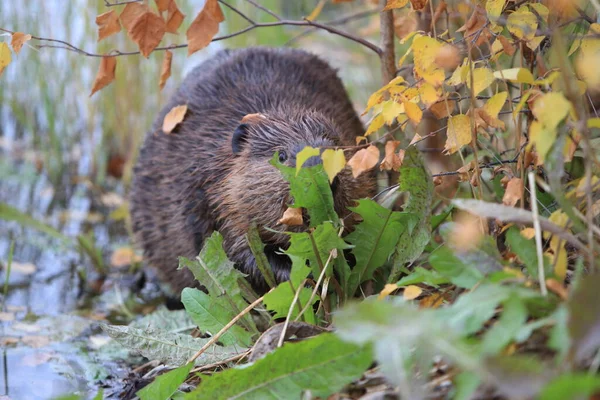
(65, 162)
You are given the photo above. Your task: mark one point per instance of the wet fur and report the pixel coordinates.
(190, 183)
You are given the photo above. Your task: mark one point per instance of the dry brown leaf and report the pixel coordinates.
(123, 257)
(467, 232)
(204, 27)
(106, 73)
(507, 46)
(439, 10)
(558, 288)
(513, 193)
(404, 24)
(415, 139)
(18, 40)
(448, 57)
(163, 5)
(411, 292)
(364, 160)
(443, 109)
(432, 301)
(391, 159)
(292, 217)
(418, 4)
(130, 14)
(476, 26)
(174, 18)
(108, 24)
(173, 118)
(165, 72)
(147, 32)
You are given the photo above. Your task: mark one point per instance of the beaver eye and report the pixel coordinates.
(282, 156)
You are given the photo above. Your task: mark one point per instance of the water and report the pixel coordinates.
(60, 158)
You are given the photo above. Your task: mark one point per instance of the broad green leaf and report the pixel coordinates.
(505, 329)
(310, 190)
(304, 155)
(526, 251)
(211, 314)
(165, 385)
(321, 365)
(465, 383)
(560, 340)
(415, 179)
(258, 250)
(422, 275)
(280, 299)
(445, 262)
(167, 347)
(375, 238)
(572, 386)
(217, 274)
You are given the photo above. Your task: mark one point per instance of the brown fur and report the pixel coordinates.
(213, 172)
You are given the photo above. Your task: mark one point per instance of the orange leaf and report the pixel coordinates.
(165, 72)
(18, 40)
(391, 4)
(364, 160)
(292, 217)
(413, 112)
(173, 118)
(130, 14)
(204, 27)
(147, 32)
(162, 5)
(106, 73)
(123, 257)
(391, 159)
(513, 193)
(108, 24)
(411, 292)
(174, 18)
(418, 4)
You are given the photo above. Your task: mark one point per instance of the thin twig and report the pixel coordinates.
(538, 234)
(216, 337)
(271, 13)
(120, 3)
(289, 314)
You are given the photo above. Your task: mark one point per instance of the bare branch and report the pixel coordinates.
(271, 13)
(120, 3)
(238, 12)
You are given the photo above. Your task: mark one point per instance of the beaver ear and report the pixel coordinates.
(239, 138)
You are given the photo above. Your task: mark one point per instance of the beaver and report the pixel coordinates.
(213, 172)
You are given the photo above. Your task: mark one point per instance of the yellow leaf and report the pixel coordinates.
(364, 160)
(528, 233)
(374, 99)
(593, 123)
(411, 292)
(560, 257)
(429, 95)
(387, 290)
(333, 162)
(376, 123)
(495, 104)
(541, 9)
(391, 110)
(304, 155)
(542, 137)
(458, 133)
(413, 112)
(5, 57)
(482, 79)
(391, 4)
(173, 118)
(459, 75)
(124, 256)
(292, 217)
(551, 108)
(494, 9)
(535, 42)
(315, 13)
(520, 75)
(425, 51)
(522, 23)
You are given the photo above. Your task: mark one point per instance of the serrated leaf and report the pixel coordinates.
(211, 314)
(310, 190)
(375, 238)
(321, 365)
(165, 385)
(167, 347)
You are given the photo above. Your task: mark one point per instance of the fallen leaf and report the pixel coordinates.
(333, 162)
(458, 133)
(106, 73)
(528, 233)
(165, 72)
(513, 192)
(163, 5)
(123, 257)
(108, 24)
(411, 292)
(4, 56)
(467, 231)
(174, 18)
(18, 40)
(364, 160)
(432, 301)
(173, 118)
(130, 14)
(4, 342)
(292, 217)
(147, 32)
(388, 289)
(475, 27)
(204, 27)
(391, 159)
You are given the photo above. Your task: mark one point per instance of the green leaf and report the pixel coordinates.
(258, 250)
(465, 383)
(375, 238)
(280, 299)
(422, 275)
(321, 365)
(217, 274)
(571, 387)
(212, 314)
(165, 385)
(445, 262)
(9, 213)
(165, 320)
(168, 347)
(415, 179)
(304, 155)
(559, 335)
(512, 319)
(310, 189)
(526, 251)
